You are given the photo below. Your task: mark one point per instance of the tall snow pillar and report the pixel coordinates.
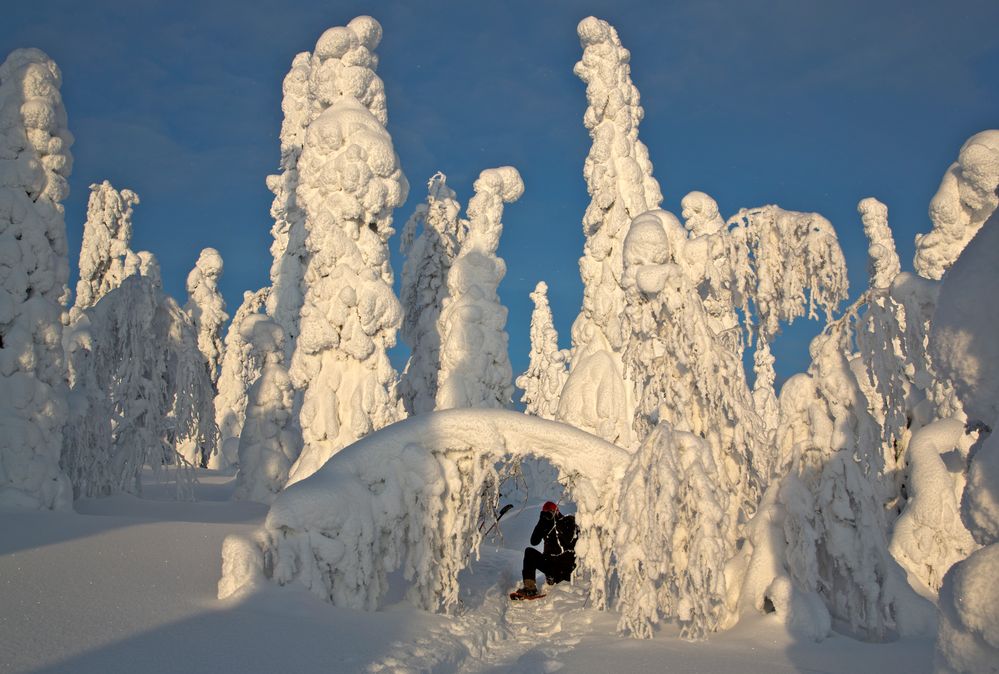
(34, 270)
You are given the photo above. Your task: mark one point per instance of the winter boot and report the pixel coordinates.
(530, 588)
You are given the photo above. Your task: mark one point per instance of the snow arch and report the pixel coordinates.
(408, 497)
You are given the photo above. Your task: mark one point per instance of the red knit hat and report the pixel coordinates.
(549, 506)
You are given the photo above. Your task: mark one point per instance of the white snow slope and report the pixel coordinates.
(128, 585)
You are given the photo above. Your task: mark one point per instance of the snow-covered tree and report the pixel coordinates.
(785, 265)
(206, 308)
(673, 537)
(830, 503)
(965, 350)
(143, 391)
(34, 270)
(424, 288)
(546, 372)
(688, 381)
(342, 65)
(965, 199)
(475, 363)
(349, 182)
(270, 442)
(241, 365)
(107, 234)
(619, 178)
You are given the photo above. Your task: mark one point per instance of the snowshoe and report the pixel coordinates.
(526, 595)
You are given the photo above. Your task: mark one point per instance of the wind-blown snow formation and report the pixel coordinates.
(424, 288)
(34, 269)
(619, 178)
(206, 308)
(475, 363)
(965, 199)
(349, 182)
(546, 372)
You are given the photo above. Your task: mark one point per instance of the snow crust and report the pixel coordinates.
(34, 269)
(963, 202)
(206, 308)
(474, 360)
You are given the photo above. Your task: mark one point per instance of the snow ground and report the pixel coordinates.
(129, 585)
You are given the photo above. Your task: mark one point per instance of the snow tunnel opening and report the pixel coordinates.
(510, 508)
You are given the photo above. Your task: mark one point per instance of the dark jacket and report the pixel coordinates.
(559, 533)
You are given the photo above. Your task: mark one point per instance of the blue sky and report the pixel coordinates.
(810, 105)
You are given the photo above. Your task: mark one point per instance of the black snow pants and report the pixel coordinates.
(555, 568)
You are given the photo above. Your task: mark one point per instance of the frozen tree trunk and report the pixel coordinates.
(104, 254)
(963, 202)
(206, 308)
(619, 178)
(241, 365)
(424, 289)
(475, 363)
(546, 372)
(34, 163)
(349, 183)
(270, 441)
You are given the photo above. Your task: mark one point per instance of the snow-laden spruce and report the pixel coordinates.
(241, 365)
(475, 363)
(786, 265)
(965, 199)
(349, 182)
(828, 560)
(105, 256)
(424, 289)
(684, 374)
(546, 371)
(342, 64)
(674, 537)
(270, 440)
(142, 394)
(34, 163)
(619, 178)
(965, 349)
(206, 308)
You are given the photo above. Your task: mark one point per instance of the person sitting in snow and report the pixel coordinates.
(558, 560)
